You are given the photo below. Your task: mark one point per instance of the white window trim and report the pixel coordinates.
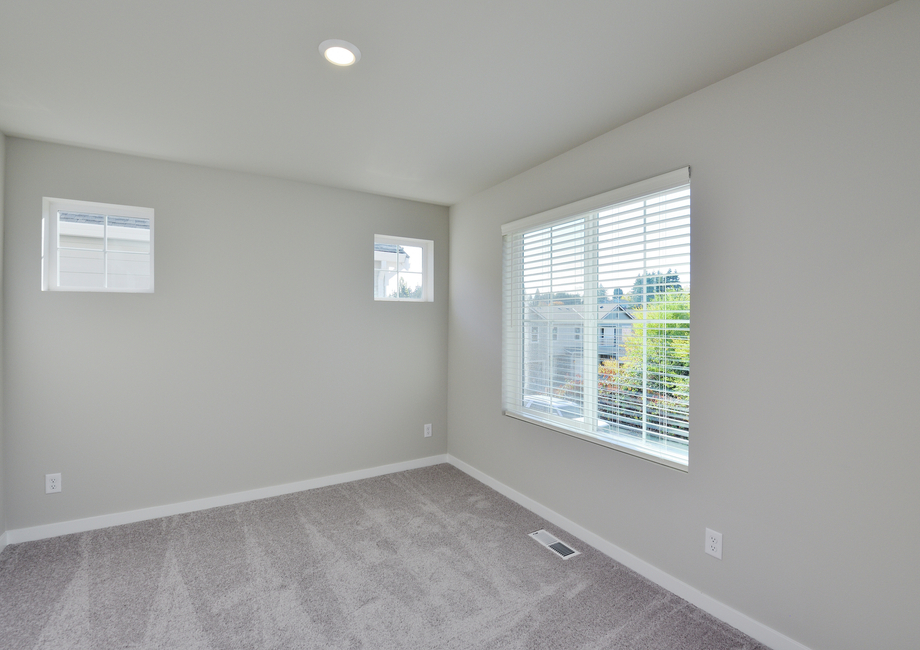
(427, 247)
(512, 344)
(50, 208)
(648, 186)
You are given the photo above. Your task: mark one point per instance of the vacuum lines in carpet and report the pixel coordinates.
(428, 558)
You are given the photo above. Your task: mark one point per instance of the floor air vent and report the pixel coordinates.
(561, 549)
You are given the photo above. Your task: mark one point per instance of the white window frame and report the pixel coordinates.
(427, 247)
(51, 207)
(589, 427)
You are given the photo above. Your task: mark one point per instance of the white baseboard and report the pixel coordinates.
(116, 519)
(754, 629)
(746, 624)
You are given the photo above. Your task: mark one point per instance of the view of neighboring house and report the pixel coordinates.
(554, 350)
(389, 260)
(399, 269)
(96, 250)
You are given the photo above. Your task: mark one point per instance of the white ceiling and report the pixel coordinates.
(449, 98)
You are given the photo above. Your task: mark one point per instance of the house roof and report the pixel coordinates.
(390, 248)
(614, 310)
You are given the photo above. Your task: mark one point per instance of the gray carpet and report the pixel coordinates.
(428, 558)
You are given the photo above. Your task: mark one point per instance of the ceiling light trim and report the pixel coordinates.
(332, 51)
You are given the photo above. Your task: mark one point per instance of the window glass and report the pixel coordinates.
(402, 269)
(612, 286)
(96, 247)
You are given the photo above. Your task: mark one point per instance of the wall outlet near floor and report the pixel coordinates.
(714, 543)
(427, 430)
(52, 483)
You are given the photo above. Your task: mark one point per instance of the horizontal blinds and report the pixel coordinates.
(596, 309)
(642, 188)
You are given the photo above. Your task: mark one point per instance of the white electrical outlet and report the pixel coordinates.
(427, 430)
(52, 483)
(714, 543)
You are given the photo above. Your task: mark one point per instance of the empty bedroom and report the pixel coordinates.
(368, 324)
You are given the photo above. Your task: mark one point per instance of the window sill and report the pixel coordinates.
(617, 442)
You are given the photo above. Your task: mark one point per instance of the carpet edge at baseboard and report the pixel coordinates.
(45, 531)
(740, 621)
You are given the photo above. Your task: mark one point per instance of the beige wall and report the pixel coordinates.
(261, 359)
(805, 355)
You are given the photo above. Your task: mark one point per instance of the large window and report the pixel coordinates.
(96, 247)
(608, 279)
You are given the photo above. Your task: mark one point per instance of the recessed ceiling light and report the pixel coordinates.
(339, 52)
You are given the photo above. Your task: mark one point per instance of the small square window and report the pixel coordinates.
(403, 269)
(96, 247)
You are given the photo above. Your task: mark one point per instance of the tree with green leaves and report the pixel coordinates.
(657, 361)
(405, 291)
(651, 283)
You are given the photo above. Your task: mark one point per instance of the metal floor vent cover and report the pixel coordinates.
(561, 549)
